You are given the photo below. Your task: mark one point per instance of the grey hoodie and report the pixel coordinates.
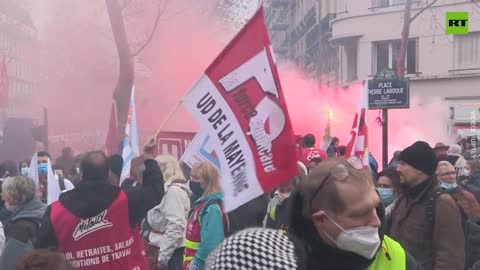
(21, 230)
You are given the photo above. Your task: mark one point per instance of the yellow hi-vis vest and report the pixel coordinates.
(391, 256)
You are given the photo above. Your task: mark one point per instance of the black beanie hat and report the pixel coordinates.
(420, 156)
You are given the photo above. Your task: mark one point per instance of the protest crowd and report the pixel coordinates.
(421, 212)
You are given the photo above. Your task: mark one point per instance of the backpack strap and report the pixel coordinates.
(430, 211)
(225, 219)
(61, 183)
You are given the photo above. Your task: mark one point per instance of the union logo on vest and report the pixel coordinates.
(87, 226)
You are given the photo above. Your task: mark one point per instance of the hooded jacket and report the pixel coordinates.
(21, 231)
(168, 220)
(211, 227)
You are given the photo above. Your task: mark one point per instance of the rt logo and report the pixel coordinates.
(457, 23)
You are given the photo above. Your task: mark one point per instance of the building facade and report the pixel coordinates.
(367, 34)
(300, 31)
(339, 42)
(19, 45)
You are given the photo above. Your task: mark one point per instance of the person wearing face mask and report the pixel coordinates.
(22, 227)
(472, 173)
(438, 244)
(207, 223)
(24, 168)
(471, 180)
(49, 184)
(337, 214)
(388, 186)
(446, 176)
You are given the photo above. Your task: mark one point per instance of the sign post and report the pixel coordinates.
(387, 91)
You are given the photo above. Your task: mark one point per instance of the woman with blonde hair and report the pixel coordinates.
(207, 224)
(166, 223)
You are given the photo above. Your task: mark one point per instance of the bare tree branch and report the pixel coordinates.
(150, 37)
(126, 72)
(422, 10)
(476, 4)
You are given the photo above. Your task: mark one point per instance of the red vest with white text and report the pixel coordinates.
(310, 153)
(105, 241)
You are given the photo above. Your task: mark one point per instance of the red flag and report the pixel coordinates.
(239, 100)
(112, 144)
(3, 84)
(358, 144)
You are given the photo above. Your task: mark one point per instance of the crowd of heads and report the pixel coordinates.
(331, 197)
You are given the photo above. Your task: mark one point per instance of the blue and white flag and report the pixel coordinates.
(130, 142)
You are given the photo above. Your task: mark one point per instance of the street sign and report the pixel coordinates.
(388, 94)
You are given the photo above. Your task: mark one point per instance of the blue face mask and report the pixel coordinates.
(24, 171)
(448, 186)
(196, 188)
(43, 168)
(386, 194)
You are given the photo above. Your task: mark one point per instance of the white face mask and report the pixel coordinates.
(466, 172)
(448, 186)
(363, 241)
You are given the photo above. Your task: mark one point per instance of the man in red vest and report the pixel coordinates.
(309, 152)
(95, 225)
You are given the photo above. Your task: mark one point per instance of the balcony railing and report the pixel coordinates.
(279, 3)
(378, 4)
(326, 23)
(280, 50)
(306, 23)
(279, 26)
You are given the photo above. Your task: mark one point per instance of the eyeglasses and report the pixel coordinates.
(448, 174)
(339, 172)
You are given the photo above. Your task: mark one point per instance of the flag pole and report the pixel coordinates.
(169, 116)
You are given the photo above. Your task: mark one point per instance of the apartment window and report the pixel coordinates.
(387, 3)
(466, 51)
(341, 6)
(386, 54)
(351, 57)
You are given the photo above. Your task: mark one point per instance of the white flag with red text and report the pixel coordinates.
(240, 102)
